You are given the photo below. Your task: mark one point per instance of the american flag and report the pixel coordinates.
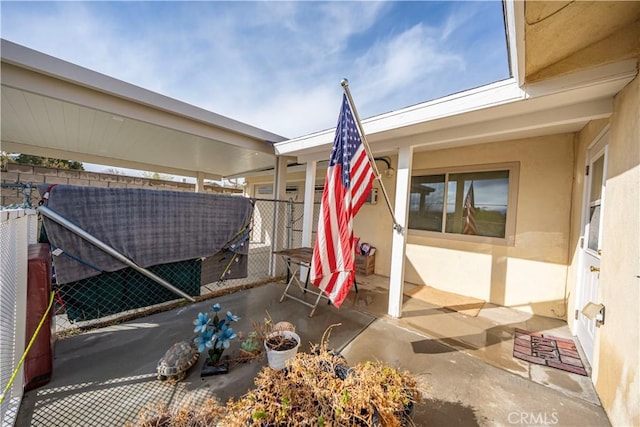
(348, 183)
(470, 213)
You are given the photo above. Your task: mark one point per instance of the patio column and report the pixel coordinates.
(200, 182)
(309, 198)
(307, 214)
(399, 240)
(280, 177)
(278, 231)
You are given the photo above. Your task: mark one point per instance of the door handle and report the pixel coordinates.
(593, 269)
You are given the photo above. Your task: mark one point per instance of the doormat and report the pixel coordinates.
(542, 349)
(448, 300)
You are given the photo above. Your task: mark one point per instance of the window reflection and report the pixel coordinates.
(476, 203)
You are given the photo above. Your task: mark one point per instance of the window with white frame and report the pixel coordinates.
(475, 203)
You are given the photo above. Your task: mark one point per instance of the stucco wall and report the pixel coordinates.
(531, 275)
(617, 360)
(373, 224)
(293, 179)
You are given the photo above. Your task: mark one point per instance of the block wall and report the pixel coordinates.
(15, 173)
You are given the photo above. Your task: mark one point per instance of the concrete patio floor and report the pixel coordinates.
(464, 364)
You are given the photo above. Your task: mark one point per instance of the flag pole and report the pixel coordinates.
(372, 161)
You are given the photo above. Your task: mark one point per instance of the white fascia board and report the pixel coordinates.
(318, 156)
(571, 92)
(41, 63)
(485, 105)
(541, 122)
(471, 100)
(305, 142)
(499, 93)
(606, 80)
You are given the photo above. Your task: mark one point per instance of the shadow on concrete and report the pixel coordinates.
(436, 412)
(104, 377)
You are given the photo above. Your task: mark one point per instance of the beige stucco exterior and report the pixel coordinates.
(538, 273)
(616, 363)
(531, 274)
(295, 179)
(616, 359)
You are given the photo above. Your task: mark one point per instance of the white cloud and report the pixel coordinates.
(403, 63)
(457, 19)
(275, 65)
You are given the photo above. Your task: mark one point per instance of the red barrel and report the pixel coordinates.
(38, 364)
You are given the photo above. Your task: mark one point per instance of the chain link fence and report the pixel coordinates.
(126, 293)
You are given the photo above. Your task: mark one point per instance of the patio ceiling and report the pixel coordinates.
(57, 109)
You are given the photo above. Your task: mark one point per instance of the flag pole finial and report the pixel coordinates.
(344, 82)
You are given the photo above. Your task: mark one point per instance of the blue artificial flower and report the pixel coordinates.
(232, 317)
(214, 333)
(205, 340)
(201, 322)
(224, 336)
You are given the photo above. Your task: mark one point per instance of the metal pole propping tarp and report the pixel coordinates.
(109, 250)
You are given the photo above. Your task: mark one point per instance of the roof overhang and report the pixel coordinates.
(514, 108)
(496, 112)
(57, 109)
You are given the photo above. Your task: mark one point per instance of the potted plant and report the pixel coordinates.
(214, 335)
(281, 342)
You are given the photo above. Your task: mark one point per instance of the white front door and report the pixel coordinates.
(590, 252)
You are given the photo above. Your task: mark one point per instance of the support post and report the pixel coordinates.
(279, 214)
(200, 182)
(309, 205)
(399, 240)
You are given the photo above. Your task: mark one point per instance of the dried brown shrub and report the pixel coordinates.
(184, 415)
(316, 389)
(311, 391)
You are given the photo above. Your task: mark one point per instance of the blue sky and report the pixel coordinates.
(275, 65)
